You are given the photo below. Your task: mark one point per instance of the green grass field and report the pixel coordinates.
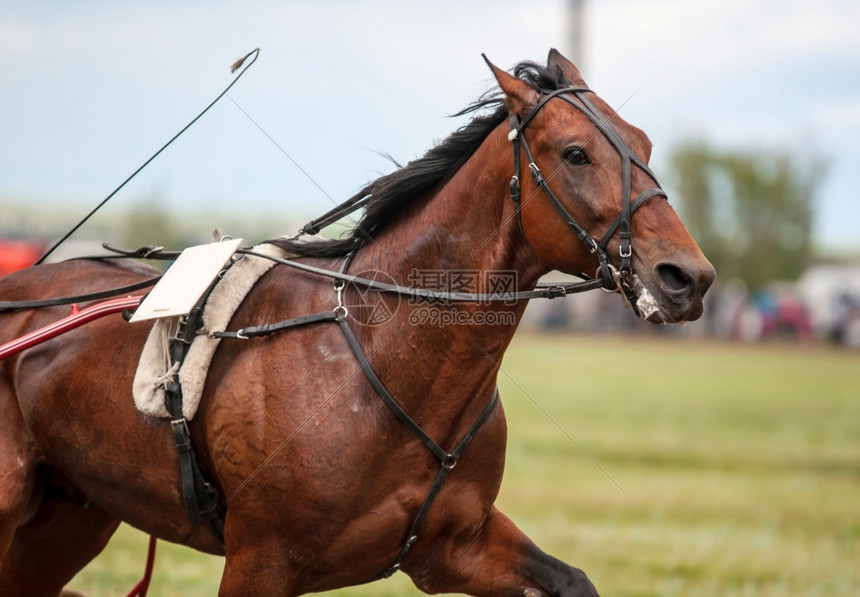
(661, 467)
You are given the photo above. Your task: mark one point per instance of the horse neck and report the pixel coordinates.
(467, 225)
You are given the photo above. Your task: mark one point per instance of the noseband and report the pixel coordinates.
(613, 279)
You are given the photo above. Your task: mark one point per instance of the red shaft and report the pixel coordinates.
(141, 588)
(68, 323)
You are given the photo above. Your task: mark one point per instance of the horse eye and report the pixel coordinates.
(576, 156)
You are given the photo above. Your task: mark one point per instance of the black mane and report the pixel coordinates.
(389, 193)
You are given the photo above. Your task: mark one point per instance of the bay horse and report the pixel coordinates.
(318, 478)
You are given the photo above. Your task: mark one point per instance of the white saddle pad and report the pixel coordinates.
(155, 368)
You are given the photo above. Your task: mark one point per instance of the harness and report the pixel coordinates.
(201, 497)
(447, 460)
(607, 277)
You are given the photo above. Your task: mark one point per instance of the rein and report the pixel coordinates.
(547, 290)
(81, 298)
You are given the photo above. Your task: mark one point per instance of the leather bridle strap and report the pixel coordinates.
(447, 460)
(622, 223)
(634, 205)
(581, 233)
(543, 290)
(80, 298)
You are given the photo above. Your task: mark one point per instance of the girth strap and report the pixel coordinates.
(202, 502)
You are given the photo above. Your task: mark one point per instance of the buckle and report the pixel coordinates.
(183, 421)
(537, 174)
(556, 292)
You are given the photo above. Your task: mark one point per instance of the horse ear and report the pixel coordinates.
(567, 68)
(519, 95)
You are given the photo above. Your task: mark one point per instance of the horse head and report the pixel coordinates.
(587, 202)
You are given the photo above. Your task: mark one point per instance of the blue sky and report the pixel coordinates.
(88, 90)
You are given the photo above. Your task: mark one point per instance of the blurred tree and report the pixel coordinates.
(750, 212)
(149, 223)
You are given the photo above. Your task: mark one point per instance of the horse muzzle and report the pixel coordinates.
(674, 291)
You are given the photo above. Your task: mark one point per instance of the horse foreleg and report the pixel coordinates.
(17, 470)
(15, 487)
(499, 560)
(257, 567)
(50, 549)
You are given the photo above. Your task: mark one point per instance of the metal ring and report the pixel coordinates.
(616, 277)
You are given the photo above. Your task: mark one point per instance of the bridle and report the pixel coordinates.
(613, 278)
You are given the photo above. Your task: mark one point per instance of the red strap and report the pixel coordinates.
(142, 586)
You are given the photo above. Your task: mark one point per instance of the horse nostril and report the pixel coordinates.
(674, 278)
